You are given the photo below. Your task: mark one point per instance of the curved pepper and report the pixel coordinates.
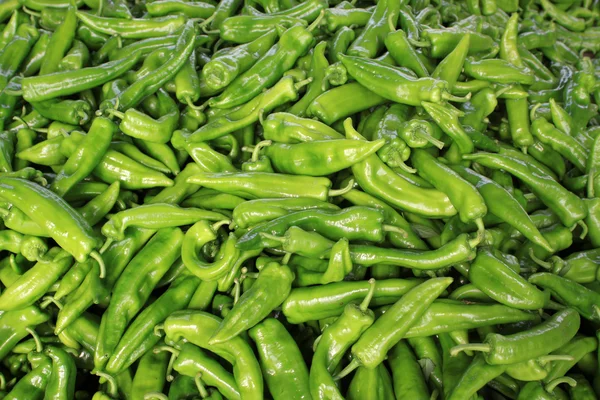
(502, 350)
(52, 213)
(246, 370)
(155, 216)
(375, 178)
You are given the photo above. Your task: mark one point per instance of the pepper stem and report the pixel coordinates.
(158, 328)
(351, 133)
(301, 84)
(2, 382)
(349, 368)
(480, 233)
(400, 164)
(83, 116)
(259, 146)
(541, 263)
(584, 229)
(39, 347)
(554, 383)
(316, 343)
(554, 357)
(457, 99)
(590, 182)
(31, 12)
(236, 290)
(419, 43)
(286, 259)
(47, 300)
(112, 383)
(437, 143)
(200, 385)
(191, 104)
(21, 120)
(552, 305)
(98, 257)
(391, 25)
(316, 22)
(533, 111)
(364, 306)
(115, 113)
(485, 348)
(215, 227)
(280, 239)
(174, 354)
(207, 21)
(155, 395)
(341, 191)
(395, 229)
(105, 246)
(434, 395)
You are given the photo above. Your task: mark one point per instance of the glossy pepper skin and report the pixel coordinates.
(86, 157)
(281, 361)
(154, 216)
(39, 88)
(283, 127)
(408, 378)
(554, 332)
(191, 360)
(371, 40)
(284, 91)
(334, 342)
(463, 195)
(133, 288)
(36, 281)
(372, 347)
(229, 63)
(499, 281)
(246, 370)
(139, 336)
(375, 178)
(55, 215)
(266, 71)
(392, 83)
(565, 204)
(504, 205)
(570, 293)
(353, 223)
(326, 157)
(261, 299)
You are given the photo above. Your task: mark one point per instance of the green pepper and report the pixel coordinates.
(229, 63)
(500, 350)
(139, 336)
(371, 349)
(246, 370)
(281, 361)
(156, 258)
(267, 70)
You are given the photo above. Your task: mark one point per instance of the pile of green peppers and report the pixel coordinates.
(299, 199)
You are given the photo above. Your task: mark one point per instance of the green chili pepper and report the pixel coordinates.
(372, 347)
(14, 325)
(554, 332)
(285, 90)
(246, 370)
(118, 255)
(246, 28)
(139, 336)
(269, 68)
(495, 278)
(258, 299)
(150, 374)
(229, 63)
(191, 360)
(133, 28)
(571, 208)
(375, 178)
(133, 288)
(334, 342)
(191, 10)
